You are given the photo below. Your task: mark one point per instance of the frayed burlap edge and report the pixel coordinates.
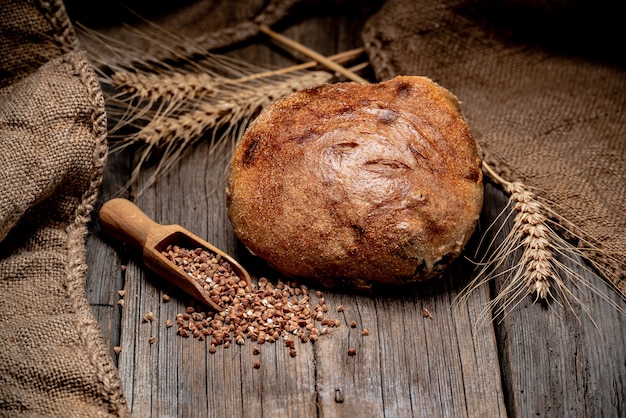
(54, 12)
(93, 340)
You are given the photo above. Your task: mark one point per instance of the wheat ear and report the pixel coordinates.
(154, 87)
(532, 258)
(171, 135)
(178, 85)
(208, 114)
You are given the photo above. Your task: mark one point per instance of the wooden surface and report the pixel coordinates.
(539, 361)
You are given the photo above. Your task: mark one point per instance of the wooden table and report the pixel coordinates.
(539, 361)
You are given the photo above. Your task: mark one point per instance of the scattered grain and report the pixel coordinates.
(338, 396)
(265, 313)
(117, 349)
(353, 324)
(331, 322)
(352, 352)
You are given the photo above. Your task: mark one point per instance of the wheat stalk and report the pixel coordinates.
(171, 134)
(538, 271)
(209, 114)
(149, 90)
(328, 63)
(177, 85)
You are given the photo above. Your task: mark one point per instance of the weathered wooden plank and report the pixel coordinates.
(408, 365)
(411, 364)
(564, 362)
(105, 276)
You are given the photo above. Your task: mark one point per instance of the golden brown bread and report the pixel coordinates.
(358, 184)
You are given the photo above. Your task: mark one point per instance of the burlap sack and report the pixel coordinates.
(542, 85)
(53, 360)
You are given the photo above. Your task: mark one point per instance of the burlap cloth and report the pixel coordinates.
(543, 87)
(53, 360)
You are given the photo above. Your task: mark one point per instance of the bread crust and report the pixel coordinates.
(356, 184)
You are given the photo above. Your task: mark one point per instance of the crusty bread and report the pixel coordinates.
(350, 184)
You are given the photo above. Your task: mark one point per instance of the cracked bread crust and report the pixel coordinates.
(350, 184)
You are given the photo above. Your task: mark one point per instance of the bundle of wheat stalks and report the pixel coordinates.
(166, 108)
(528, 259)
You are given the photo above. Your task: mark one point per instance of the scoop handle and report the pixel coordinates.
(122, 220)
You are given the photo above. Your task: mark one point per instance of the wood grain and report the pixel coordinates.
(104, 259)
(576, 356)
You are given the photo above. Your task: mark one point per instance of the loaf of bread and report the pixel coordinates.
(355, 185)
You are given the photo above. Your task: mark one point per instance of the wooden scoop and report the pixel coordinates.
(124, 221)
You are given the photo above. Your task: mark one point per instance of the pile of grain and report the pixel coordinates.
(270, 313)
